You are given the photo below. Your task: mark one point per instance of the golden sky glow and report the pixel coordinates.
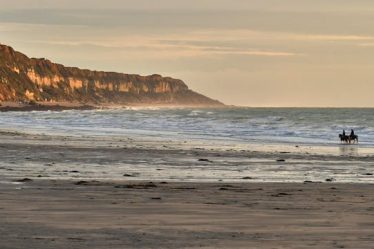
(252, 53)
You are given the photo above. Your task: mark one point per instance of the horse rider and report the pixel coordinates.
(352, 133)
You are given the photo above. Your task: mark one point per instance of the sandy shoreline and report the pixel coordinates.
(61, 214)
(62, 106)
(95, 192)
(43, 106)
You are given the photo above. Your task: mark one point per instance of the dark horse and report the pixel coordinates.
(348, 139)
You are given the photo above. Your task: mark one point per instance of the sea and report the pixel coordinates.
(310, 135)
(302, 126)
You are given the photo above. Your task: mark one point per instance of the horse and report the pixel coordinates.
(353, 138)
(348, 139)
(344, 138)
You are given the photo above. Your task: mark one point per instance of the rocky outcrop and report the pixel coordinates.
(40, 80)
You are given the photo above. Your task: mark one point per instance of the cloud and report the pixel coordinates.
(195, 43)
(276, 35)
(366, 44)
(311, 37)
(189, 36)
(167, 50)
(186, 44)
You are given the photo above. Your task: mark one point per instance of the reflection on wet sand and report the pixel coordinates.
(348, 150)
(92, 158)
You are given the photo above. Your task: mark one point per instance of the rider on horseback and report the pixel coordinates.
(352, 133)
(348, 139)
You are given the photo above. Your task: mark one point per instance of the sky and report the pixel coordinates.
(273, 53)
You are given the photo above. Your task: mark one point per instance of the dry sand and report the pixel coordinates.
(50, 213)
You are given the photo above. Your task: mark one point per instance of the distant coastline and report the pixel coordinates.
(42, 107)
(62, 106)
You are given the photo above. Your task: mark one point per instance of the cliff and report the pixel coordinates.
(24, 79)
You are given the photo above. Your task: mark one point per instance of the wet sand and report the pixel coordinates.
(61, 214)
(134, 158)
(54, 193)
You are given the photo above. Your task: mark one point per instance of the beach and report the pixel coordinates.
(168, 124)
(58, 214)
(89, 192)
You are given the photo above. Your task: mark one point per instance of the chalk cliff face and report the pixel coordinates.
(29, 79)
